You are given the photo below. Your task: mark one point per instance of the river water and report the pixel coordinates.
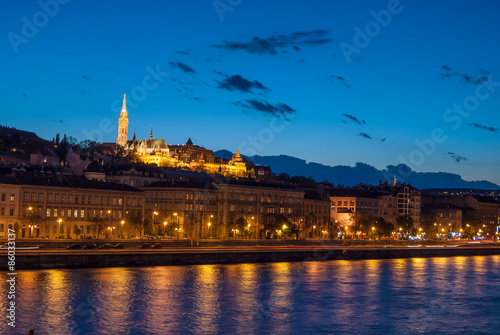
(401, 296)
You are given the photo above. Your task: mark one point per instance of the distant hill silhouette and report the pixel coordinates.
(363, 173)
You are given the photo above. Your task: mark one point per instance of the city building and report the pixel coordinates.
(53, 205)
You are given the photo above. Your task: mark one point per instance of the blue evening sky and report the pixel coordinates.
(319, 80)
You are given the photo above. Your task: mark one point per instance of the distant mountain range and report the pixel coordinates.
(362, 173)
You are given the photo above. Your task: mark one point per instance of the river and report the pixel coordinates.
(399, 296)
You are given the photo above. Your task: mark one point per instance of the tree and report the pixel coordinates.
(99, 223)
(429, 217)
(77, 231)
(405, 222)
(363, 222)
(17, 227)
(384, 228)
(242, 226)
(149, 228)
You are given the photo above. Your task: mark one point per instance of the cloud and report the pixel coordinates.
(239, 83)
(365, 135)
(182, 66)
(339, 79)
(457, 158)
(87, 78)
(270, 45)
(449, 73)
(279, 109)
(480, 126)
(354, 119)
(183, 52)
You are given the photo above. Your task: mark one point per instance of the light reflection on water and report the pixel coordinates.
(417, 296)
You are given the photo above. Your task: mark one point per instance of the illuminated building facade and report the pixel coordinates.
(187, 156)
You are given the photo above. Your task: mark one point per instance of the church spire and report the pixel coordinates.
(123, 124)
(124, 106)
(151, 135)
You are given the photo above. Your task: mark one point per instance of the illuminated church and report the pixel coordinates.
(187, 156)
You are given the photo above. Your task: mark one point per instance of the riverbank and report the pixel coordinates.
(59, 259)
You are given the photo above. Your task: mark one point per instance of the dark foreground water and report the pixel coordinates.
(412, 296)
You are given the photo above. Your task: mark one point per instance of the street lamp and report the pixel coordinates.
(164, 227)
(110, 217)
(59, 227)
(122, 228)
(177, 229)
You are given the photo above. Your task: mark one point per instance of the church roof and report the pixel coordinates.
(189, 142)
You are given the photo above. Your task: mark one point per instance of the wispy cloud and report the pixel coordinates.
(340, 80)
(182, 66)
(239, 83)
(272, 44)
(482, 127)
(354, 119)
(365, 135)
(457, 158)
(279, 109)
(448, 72)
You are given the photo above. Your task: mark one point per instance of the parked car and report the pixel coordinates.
(118, 246)
(105, 246)
(156, 246)
(74, 246)
(145, 246)
(90, 246)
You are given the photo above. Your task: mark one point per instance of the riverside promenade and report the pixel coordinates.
(54, 255)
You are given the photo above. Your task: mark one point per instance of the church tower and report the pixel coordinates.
(123, 124)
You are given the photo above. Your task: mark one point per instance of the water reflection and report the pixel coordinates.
(422, 296)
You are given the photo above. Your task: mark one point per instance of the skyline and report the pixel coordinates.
(303, 85)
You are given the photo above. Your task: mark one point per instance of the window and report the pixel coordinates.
(11, 211)
(48, 212)
(63, 198)
(76, 213)
(120, 201)
(54, 229)
(49, 197)
(55, 212)
(282, 210)
(1, 228)
(12, 198)
(2, 211)
(56, 198)
(32, 197)
(62, 213)
(40, 199)
(69, 213)
(114, 201)
(82, 213)
(339, 203)
(76, 199)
